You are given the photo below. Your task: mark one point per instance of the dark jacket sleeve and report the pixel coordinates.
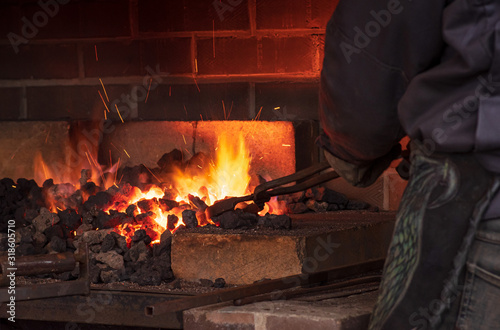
(454, 106)
(373, 48)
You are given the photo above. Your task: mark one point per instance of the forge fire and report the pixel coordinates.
(172, 195)
(124, 213)
(128, 215)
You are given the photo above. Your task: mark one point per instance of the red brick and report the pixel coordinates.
(10, 20)
(321, 12)
(190, 15)
(294, 15)
(172, 55)
(64, 24)
(282, 14)
(297, 322)
(66, 102)
(81, 19)
(119, 94)
(185, 102)
(114, 59)
(160, 15)
(204, 16)
(104, 18)
(232, 56)
(10, 99)
(39, 61)
(295, 101)
(286, 55)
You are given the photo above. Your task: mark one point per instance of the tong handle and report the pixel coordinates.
(303, 174)
(264, 196)
(262, 193)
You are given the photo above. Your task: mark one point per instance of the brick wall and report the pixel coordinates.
(161, 59)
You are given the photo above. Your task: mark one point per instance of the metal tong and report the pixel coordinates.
(263, 192)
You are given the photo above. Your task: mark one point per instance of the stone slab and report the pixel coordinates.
(239, 259)
(347, 313)
(315, 242)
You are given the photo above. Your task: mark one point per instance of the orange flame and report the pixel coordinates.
(43, 171)
(214, 179)
(274, 206)
(227, 176)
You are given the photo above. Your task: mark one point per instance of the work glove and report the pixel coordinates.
(363, 175)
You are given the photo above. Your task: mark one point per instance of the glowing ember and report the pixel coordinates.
(160, 207)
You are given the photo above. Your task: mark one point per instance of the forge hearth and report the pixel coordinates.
(122, 218)
(353, 235)
(126, 210)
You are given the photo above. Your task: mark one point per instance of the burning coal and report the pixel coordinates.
(173, 195)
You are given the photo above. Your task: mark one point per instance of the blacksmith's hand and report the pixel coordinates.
(363, 175)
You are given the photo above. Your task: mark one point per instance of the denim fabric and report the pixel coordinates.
(480, 305)
(439, 228)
